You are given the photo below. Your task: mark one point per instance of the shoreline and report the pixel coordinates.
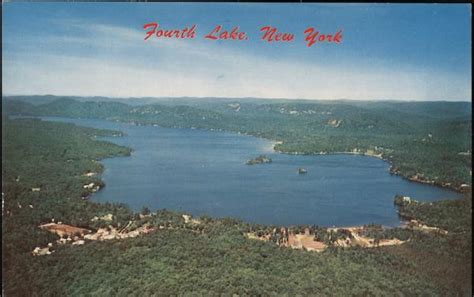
(444, 185)
(274, 143)
(403, 222)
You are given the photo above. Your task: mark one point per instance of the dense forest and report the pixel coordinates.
(46, 164)
(424, 141)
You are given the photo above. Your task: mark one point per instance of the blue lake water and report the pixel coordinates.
(204, 172)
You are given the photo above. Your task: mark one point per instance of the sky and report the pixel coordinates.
(387, 51)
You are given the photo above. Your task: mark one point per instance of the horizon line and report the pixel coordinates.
(235, 98)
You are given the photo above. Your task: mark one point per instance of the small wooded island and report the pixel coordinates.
(259, 160)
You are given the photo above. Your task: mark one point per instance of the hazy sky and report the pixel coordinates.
(388, 51)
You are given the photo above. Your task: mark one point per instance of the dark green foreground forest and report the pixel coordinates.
(216, 260)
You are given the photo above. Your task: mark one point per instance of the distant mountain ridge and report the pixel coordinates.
(42, 99)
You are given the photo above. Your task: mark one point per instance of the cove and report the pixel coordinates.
(204, 172)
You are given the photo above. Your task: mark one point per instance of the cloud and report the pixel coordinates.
(106, 60)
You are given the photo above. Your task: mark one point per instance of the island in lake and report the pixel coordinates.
(259, 160)
(302, 170)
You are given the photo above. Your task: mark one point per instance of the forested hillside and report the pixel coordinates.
(45, 166)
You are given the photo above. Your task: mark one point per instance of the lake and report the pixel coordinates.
(204, 172)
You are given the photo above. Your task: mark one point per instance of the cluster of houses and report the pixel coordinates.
(92, 187)
(79, 236)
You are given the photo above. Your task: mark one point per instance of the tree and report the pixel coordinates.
(145, 211)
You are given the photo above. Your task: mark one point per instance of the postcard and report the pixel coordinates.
(236, 149)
